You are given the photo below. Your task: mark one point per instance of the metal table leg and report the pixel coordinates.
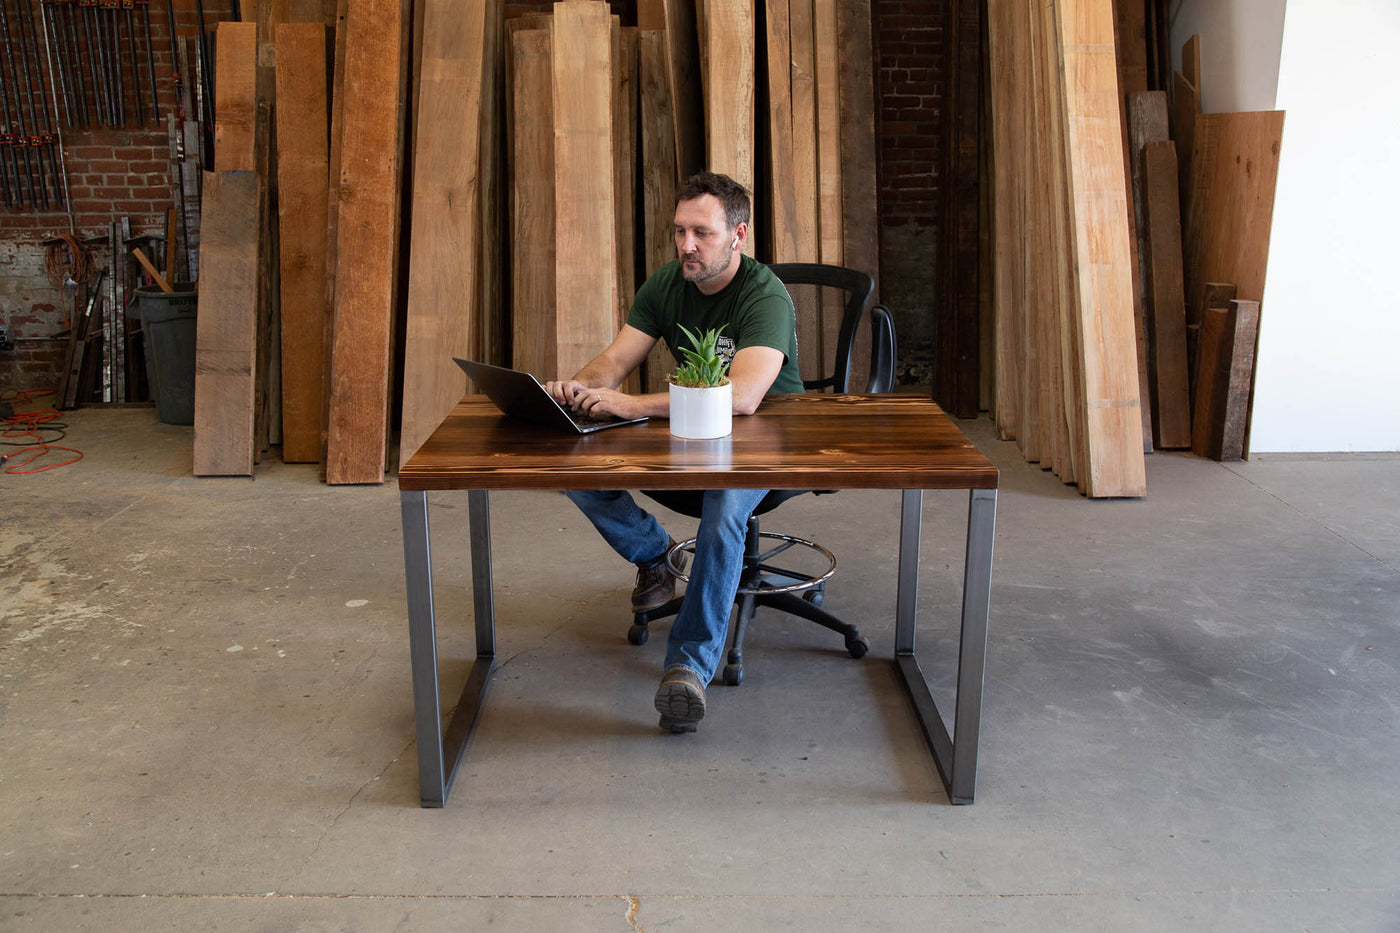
(955, 755)
(439, 752)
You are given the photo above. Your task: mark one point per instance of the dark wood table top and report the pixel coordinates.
(792, 442)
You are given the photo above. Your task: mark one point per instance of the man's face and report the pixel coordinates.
(704, 241)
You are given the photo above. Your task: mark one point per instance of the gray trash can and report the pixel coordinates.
(168, 323)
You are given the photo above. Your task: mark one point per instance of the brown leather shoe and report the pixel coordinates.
(656, 585)
(680, 700)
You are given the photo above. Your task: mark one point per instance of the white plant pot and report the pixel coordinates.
(698, 414)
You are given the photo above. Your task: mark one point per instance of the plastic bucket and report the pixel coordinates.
(168, 323)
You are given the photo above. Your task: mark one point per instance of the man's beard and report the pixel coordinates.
(704, 273)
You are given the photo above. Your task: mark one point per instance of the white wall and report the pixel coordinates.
(1328, 377)
(1240, 43)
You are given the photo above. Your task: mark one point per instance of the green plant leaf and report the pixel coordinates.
(702, 366)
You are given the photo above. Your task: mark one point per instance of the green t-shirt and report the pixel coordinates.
(754, 308)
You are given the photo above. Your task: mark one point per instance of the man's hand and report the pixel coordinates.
(567, 392)
(598, 401)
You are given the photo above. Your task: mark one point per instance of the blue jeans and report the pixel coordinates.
(697, 636)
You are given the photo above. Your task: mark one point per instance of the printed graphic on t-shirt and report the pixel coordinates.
(725, 348)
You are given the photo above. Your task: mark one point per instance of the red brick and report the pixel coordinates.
(88, 153)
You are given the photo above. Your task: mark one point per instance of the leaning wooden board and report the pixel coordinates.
(1114, 464)
(226, 325)
(1008, 211)
(1223, 383)
(683, 57)
(802, 91)
(783, 198)
(367, 232)
(658, 146)
(303, 144)
(444, 306)
(337, 123)
(235, 97)
(584, 224)
(1234, 174)
(860, 232)
(1148, 121)
(533, 348)
(1166, 302)
(1233, 179)
(729, 103)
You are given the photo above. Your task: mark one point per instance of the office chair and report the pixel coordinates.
(762, 582)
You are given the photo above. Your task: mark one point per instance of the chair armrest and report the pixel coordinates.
(883, 350)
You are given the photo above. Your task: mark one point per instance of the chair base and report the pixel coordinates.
(756, 589)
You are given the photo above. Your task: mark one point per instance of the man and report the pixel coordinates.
(711, 284)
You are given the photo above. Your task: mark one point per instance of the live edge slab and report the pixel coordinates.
(792, 442)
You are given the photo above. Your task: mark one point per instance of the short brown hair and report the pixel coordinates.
(731, 194)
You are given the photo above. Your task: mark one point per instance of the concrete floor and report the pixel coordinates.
(205, 715)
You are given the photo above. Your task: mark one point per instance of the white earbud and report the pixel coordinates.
(735, 244)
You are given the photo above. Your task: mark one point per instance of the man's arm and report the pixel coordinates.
(752, 372)
(593, 389)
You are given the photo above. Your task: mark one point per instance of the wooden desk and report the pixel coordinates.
(793, 442)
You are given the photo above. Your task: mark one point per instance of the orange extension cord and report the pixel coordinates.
(30, 425)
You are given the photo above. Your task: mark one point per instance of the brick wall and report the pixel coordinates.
(111, 172)
(911, 82)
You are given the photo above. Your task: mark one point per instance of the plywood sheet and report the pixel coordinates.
(302, 190)
(444, 297)
(367, 242)
(226, 327)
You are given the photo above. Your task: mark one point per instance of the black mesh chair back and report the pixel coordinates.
(859, 289)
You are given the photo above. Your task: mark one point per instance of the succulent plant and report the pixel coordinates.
(703, 367)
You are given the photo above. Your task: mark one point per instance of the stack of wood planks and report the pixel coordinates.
(820, 146)
(262, 339)
(1118, 209)
(398, 182)
(1066, 355)
(1203, 188)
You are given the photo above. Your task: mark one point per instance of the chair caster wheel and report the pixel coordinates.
(733, 675)
(638, 634)
(857, 647)
(813, 596)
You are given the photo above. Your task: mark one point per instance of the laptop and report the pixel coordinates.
(520, 395)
